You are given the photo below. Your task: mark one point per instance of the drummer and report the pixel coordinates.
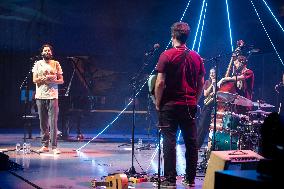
(244, 79)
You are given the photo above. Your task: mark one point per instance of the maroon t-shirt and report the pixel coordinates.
(245, 87)
(182, 69)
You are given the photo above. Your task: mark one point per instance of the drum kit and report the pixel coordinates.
(238, 131)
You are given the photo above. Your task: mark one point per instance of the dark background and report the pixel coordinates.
(111, 38)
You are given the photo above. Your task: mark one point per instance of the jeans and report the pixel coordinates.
(172, 117)
(48, 115)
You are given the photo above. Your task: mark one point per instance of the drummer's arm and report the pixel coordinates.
(235, 78)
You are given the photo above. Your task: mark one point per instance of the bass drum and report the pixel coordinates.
(224, 141)
(231, 121)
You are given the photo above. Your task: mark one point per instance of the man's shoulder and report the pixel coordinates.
(55, 61)
(248, 71)
(194, 53)
(38, 61)
(169, 52)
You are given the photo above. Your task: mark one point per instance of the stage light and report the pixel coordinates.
(197, 30)
(273, 15)
(229, 23)
(178, 135)
(200, 39)
(266, 32)
(180, 159)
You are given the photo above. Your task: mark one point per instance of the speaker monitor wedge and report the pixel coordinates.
(229, 160)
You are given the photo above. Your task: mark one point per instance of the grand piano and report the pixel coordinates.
(87, 90)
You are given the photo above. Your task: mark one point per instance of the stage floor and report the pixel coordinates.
(71, 169)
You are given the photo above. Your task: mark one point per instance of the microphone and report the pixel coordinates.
(152, 50)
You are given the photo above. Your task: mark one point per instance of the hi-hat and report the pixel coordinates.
(262, 105)
(259, 112)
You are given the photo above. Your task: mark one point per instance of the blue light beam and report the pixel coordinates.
(273, 15)
(181, 19)
(106, 126)
(200, 39)
(185, 10)
(267, 33)
(197, 31)
(229, 22)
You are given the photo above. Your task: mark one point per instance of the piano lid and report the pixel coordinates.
(90, 80)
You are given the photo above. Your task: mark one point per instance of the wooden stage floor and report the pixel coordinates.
(72, 169)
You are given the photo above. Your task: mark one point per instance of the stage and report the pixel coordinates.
(108, 154)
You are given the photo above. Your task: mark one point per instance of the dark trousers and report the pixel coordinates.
(48, 115)
(203, 124)
(183, 117)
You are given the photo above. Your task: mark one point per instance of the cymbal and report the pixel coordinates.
(242, 101)
(259, 112)
(263, 105)
(226, 96)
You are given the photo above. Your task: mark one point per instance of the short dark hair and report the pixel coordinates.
(180, 30)
(46, 45)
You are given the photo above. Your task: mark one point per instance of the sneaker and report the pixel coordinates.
(165, 184)
(43, 149)
(56, 151)
(186, 182)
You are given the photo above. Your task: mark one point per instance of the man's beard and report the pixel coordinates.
(47, 56)
(240, 68)
(237, 71)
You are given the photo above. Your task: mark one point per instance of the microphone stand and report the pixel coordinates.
(136, 84)
(216, 62)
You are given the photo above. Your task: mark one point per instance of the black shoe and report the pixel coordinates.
(186, 182)
(165, 184)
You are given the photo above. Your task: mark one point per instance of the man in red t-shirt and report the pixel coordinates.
(244, 79)
(178, 88)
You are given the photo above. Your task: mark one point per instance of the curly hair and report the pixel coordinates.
(242, 59)
(46, 45)
(180, 30)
